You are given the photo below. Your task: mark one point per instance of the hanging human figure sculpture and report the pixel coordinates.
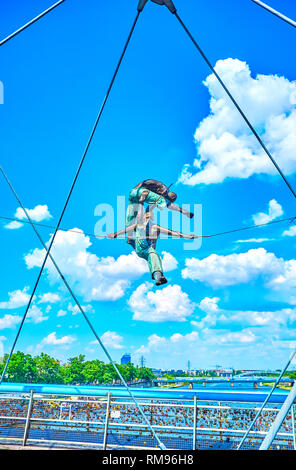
(154, 193)
(168, 3)
(145, 234)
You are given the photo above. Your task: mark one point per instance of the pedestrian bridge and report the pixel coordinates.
(256, 381)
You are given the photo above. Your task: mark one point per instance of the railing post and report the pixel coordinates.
(106, 421)
(194, 421)
(29, 412)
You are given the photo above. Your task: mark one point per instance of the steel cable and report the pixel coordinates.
(260, 141)
(5, 40)
(60, 220)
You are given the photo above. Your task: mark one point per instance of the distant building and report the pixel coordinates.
(224, 372)
(126, 359)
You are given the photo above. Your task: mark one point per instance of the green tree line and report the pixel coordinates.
(24, 368)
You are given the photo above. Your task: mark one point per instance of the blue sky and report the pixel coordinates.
(230, 302)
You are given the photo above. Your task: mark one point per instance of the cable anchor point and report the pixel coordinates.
(168, 3)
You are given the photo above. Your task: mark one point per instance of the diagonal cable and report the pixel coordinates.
(241, 229)
(161, 445)
(100, 237)
(265, 150)
(258, 139)
(275, 13)
(80, 166)
(5, 40)
(253, 130)
(81, 310)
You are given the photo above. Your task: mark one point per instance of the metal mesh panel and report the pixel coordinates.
(13, 413)
(127, 427)
(66, 421)
(172, 423)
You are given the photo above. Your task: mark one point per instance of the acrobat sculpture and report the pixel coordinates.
(141, 232)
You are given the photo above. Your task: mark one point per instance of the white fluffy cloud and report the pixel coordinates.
(112, 340)
(35, 315)
(203, 348)
(94, 278)
(225, 145)
(184, 339)
(74, 309)
(216, 317)
(209, 304)
(291, 232)
(221, 271)
(62, 313)
(275, 210)
(17, 298)
(20, 298)
(254, 240)
(52, 340)
(167, 304)
(13, 225)
(9, 321)
(49, 297)
(174, 343)
(235, 337)
(231, 337)
(37, 214)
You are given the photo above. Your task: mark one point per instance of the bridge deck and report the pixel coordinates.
(255, 396)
